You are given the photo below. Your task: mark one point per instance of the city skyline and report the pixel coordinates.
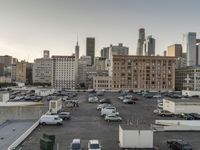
(33, 26)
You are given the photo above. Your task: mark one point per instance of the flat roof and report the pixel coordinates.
(10, 131)
(184, 100)
(136, 127)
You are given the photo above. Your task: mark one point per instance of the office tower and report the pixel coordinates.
(189, 46)
(63, 72)
(174, 50)
(116, 50)
(6, 60)
(198, 54)
(21, 72)
(46, 54)
(90, 48)
(100, 63)
(149, 46)
(165, 53)
(140, 42)
(105, 52)
(143, 72)
(42, 68)
(77, 50)
(197, 41)
(76, 63)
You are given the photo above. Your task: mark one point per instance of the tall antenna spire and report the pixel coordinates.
(77, 39)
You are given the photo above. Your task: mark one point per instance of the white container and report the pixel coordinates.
(135, 137)
(4, 96)
(55, 106)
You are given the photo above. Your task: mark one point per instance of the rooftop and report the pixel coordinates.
(10, 131)
(135, 127)
(184, 100)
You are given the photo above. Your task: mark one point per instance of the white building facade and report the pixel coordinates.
(102, 83)
(63, 72)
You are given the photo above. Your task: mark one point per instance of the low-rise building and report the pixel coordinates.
(102, 83)
(188, 78)
(143, 72)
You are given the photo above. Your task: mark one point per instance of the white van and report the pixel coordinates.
(51, 119)
(108, 110)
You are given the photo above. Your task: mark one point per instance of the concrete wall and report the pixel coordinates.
(22, 112)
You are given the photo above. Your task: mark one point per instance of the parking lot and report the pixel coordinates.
(87, 124)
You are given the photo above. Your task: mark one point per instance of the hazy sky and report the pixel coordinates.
(29, 26)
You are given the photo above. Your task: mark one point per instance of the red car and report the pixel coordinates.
(135, 99)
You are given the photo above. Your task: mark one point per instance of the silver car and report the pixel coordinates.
(113, 117)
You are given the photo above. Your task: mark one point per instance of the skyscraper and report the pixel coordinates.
(174, 50)
(189, 46)
(90, 48)
(140, 42)
(46, 54)
(105, 52)
(149, 46)
(77, 50)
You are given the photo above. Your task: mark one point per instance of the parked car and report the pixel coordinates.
(135, 98)
(120, 97)
(113, 117)
(105, 100)
(156, 111)
(187, 116)
(93, 100)
(178, 144)
(160, 105)
(65, 115)
(165, 113)
(108, 110)
(76, 144)
(51, 119)
(65, 98)
(128, 101)
(148, 95)
(128, 96)
(94, 145)
(195, 116)
(100, 93)
(100, 106)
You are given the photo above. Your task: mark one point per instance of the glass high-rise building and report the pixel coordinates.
(140, 42)
(189, 46)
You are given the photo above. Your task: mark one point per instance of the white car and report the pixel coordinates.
(157, 111)
(113, 117)
(108, 110)
(160, 105)
(121, 98)
(128, 96)
(93, 100)
(100, 106)
(94, 145)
